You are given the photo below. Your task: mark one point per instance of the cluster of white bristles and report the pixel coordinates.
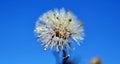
(55, 28)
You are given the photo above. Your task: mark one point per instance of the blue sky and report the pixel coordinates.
(18, 44)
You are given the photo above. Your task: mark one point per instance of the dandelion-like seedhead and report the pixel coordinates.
(55, 28)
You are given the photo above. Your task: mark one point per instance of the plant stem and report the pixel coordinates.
(65, 57)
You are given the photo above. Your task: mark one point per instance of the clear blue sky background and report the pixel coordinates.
(18, 44)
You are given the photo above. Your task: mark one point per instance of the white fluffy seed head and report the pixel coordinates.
(55, 28)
